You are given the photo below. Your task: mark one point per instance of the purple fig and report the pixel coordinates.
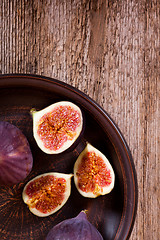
(15, 155)
(76, 228)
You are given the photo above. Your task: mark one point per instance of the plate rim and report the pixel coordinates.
(126, 225)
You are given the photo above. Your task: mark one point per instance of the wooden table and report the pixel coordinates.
(110, 51)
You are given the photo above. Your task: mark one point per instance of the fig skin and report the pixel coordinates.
(71, 137)
(16, 159)
(76, 228)
(99, 190)
(29, 200)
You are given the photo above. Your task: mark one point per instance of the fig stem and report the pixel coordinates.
(85, 211)
(32, 111)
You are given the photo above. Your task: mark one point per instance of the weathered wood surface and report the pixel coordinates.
(110, 51)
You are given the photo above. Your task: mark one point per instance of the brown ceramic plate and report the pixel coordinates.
(112, 214)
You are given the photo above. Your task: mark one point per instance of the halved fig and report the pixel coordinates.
(47, 193)
(93, 174)
(57, 127)
(16, 159)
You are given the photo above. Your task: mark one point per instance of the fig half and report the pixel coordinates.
(57, 127)
(16, 159)
(93, 173)
(47, 193)
(77, 228)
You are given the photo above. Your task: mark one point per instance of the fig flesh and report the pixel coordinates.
(57, 127)
(76, 228)
(93, 173)
(16, 159)
(47, 193)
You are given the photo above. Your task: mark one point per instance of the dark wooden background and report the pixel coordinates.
(110, 51)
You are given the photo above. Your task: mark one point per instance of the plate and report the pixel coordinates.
(113, 214)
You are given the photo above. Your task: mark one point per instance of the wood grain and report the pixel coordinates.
(110, 51)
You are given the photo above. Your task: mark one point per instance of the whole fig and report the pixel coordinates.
(77, 228)
(16, 159)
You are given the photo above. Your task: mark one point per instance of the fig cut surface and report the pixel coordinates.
(93, 173)
(57, 127)
(47, 193)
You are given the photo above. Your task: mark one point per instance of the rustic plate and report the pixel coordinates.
(112, 214)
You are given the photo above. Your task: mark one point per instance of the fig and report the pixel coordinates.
(16, 159)
(76, 228)
(93, 173)
(47, 193)
(57, 127)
